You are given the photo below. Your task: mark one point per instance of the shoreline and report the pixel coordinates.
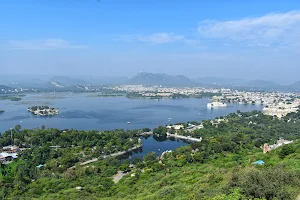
(120, 153)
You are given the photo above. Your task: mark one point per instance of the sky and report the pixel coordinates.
(237, 39)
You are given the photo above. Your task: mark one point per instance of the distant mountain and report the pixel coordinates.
(263, 84)
(105, 80)
(145, 78)
(66, 81)
(240, 83)
(4, 87)
(10, 82)
(209, 81)
(21, 81)
(295, 86)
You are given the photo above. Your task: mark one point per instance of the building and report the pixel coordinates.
(8, 153)
(279, 143)
(176, 127)
(11, 149)
(7, 157)
(216, 122)
(281, 109)
(192, 127)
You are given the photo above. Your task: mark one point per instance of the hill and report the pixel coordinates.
(209, 81)
(144, 78)
(67, 81)
(18, 81)
(263, 84)
(222, 166)
(105, 80)
(295, 86)
(4, 87)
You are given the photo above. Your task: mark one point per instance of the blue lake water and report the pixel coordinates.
(151, 144)
(80, 111)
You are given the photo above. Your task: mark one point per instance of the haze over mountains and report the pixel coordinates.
(141, 78)
(295, 85)
(160, 79)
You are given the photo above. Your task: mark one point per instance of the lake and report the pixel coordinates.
(81, 111)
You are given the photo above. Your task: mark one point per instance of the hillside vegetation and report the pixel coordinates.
(219, 167)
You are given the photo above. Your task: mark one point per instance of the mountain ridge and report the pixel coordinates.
(145, 78)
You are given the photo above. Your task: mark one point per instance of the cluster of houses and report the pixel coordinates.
(176, 127)
(217, 122)
(279, 143)
(192, 127)
(189, 127)
(8, 154)
(281, 109)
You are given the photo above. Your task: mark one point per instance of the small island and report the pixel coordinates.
(43, 110)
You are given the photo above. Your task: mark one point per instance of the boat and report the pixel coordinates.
(128, 122)
(216, 105)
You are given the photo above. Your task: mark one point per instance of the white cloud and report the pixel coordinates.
(160, 38)
(271, 29)
(42, 44)
(155, 38)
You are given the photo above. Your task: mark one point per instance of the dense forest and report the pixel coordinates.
(219, 167)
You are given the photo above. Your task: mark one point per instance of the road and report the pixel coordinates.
(184, 137)
(110, 155)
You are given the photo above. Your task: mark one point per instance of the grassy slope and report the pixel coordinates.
(191, 181)
(197, 181)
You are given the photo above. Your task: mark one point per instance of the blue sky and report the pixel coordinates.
(247, 39)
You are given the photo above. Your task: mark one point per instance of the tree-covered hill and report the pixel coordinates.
(220, 167)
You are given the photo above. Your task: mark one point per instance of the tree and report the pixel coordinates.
(23, 175)
(18, 128)
(150, 158)
(258, 142)
(146, 129)
(124, 167)
(206, 123)
(198, 157)
(286, 150)
(172, 131)
(266, 183)
(160, 131)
